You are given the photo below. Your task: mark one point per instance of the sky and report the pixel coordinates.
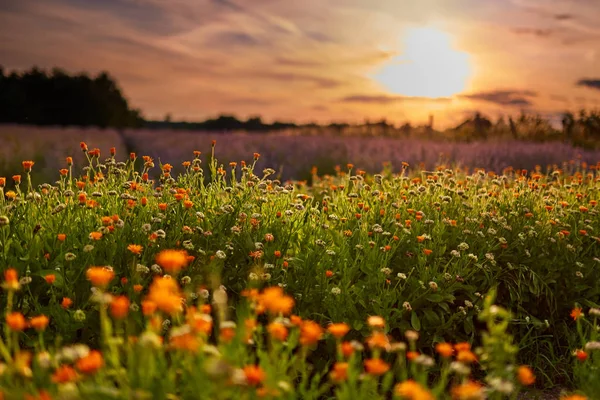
(320, 60)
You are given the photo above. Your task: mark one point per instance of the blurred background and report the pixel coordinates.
(463, 83)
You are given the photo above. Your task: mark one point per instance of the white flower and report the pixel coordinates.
(336, 291)
(455, 253)
(463, 246)
(401, 275)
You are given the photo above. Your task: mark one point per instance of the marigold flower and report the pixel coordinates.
(135, 248)
(581, 355)
(338, 330)
(277, 331)
(576, 313)
(339, 373)
(165, 294)
(468, 391)
(61, 237)
(95, 235)
(16, 321)
(347, 349)
(39, 323)
(27, 165)
(254, 374)
(50, 278)
(329, 273)
(411, 390)
(462, 346)
(66, 302)
(90, 363)
(525, 375)
(119, 307)
(574, 397)
(2, 182)
(17, 179)
(444, 349)
(378, 340)
(64, 374)
(172, 261)
(11, 280)
(275, 301)
(466, 356)
(137, 288)
(100, 276)
(427, 251)
(310, 333)
(376, 366)
(148, 307)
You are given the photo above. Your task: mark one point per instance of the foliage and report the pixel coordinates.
(418, 249)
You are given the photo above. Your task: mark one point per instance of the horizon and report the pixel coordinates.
(344, 61)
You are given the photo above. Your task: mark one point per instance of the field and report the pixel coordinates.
(388, 270)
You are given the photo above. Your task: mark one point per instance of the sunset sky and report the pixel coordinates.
(320, 60)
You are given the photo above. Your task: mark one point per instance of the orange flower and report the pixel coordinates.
(339, 372)
(525, 375)
(277, 331)
(378, 340)
(581, 355)
(64, 374)
(61, 237)
(50, 278)
(90, 363)
(254, 374)
(66, 303)
(119, 307)
(347, 349)
(411, 390)
(95, 235)
(329, 273)
(463, 346)
(444, 349)
(187, 342)
(338, 330)
(427, 251)
(11, 279)
(275, 301)
(467, 391)
(16, 321)
(466, 356)
(172, 261)
(137, 288)
(165, 293)
(376, 366)
(135, 248)
(17, 179)
(574, 397)
(39, 323)
(310, 333)
(27, 165)
(2, 181)
(148, 307)
(576, 313)
(100, 276)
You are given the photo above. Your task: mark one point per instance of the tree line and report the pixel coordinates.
(38, 97)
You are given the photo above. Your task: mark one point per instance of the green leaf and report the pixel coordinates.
(435, 297)
(358, 325)
(468, 325)
(431, 317)
(415, 321)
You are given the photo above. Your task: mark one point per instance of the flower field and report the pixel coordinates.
(125, 279)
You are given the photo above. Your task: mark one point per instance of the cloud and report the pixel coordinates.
(563, 17)
(233, 39)
(589, 83)
(533, 31)
(504, 97)
(294, 77)
(387, 99)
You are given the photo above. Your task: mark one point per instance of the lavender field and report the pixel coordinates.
(291, 156)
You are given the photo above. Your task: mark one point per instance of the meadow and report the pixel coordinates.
(209, 274)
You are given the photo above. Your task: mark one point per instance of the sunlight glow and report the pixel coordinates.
(428, 67)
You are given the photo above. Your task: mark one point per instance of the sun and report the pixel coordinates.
(429, 66)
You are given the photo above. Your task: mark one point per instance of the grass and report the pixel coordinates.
(492, 262)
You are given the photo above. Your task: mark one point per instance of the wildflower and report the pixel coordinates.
(16, 321)
(100, 276)
(574, 397)
(376, 366)
(61, 237)
(64, 374)
(466, 356)
(119, 307)
(172, 260)
(254, 375)
(27, 165)
(576, 313)
(444, 349)
(581, 355)
(375, 321)
(50, 278)
(277, 330)
(310, 333)
(338, 330)
(525, 375)
(336, 291)
(135, 248)
(378, 340)
(95, 235)
(411, 390)
(66, 302)
(70, 256)
(11, 280)
(274, 300)
(39, 323)
(79, 316)
(90, 363)
(427, 251)
(468, 391)
(339, 372)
